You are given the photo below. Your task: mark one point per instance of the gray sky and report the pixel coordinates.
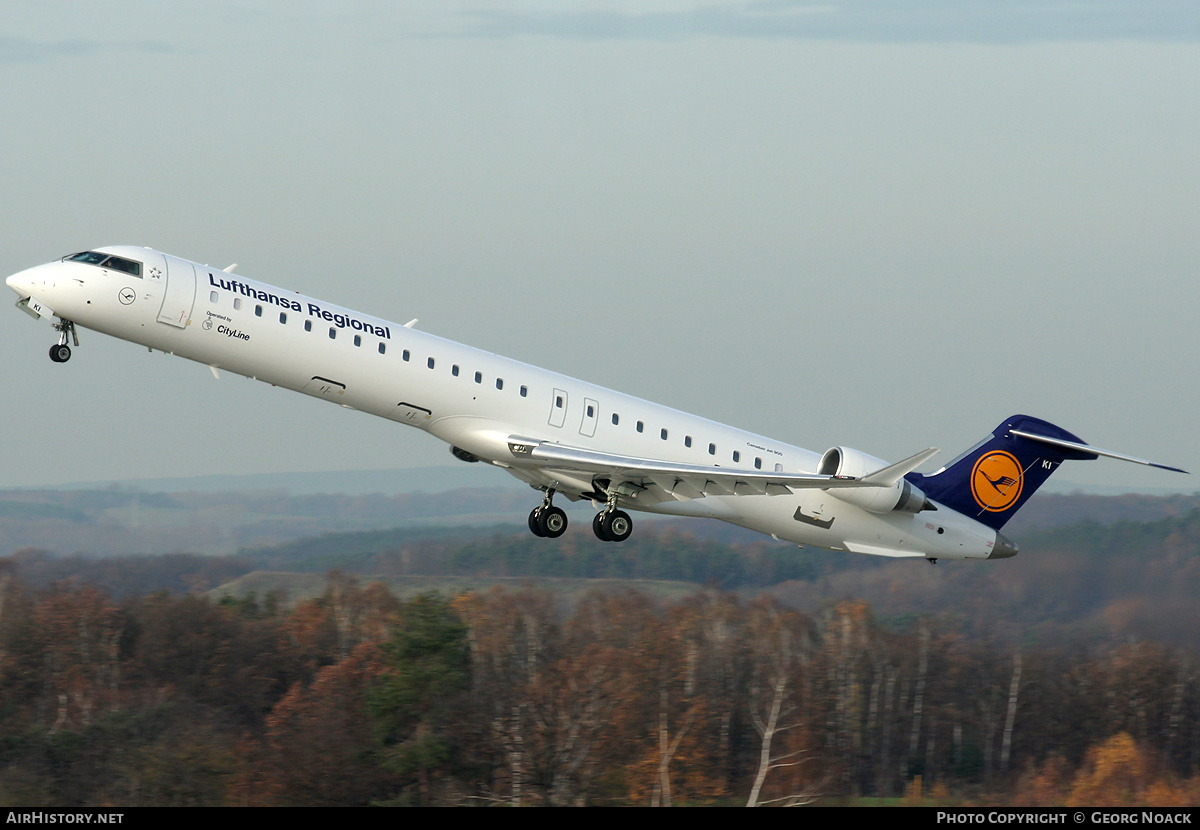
(887, 225)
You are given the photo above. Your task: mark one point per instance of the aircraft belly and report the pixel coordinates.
(818, 519)
(725, 508)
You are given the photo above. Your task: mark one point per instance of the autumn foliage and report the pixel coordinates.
(508, 697)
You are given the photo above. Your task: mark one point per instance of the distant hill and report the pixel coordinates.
(224, 514)
(117, 521)
(1090, 567)
(1080, 583)
(438, 479)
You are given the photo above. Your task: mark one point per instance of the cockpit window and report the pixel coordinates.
(128, 266)
(90, 257)
(121, 264)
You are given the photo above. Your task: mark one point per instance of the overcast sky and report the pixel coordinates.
(882, 224)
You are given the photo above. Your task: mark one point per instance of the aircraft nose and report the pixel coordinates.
(16, 283)
(21, 282)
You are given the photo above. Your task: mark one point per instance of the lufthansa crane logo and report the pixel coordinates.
(127, 296)
(996, 481)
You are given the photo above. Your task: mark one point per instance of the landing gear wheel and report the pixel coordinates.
(552, 522)
(534, 522)
(616, 525)
(598, 528)
(60, 352)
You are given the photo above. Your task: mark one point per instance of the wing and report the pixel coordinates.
(669, 480)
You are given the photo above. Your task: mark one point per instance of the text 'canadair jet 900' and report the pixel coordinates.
(560, 435)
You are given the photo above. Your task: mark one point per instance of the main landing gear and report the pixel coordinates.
(60, 352)
(547, 520)
(609, 525)
(612, 525)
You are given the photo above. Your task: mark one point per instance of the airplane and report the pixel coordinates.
(559, 435)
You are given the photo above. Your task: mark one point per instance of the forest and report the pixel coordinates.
(471, 664)
(508, 697)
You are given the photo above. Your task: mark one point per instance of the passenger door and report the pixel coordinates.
(180, 293)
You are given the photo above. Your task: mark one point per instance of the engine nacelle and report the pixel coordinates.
(901, 496)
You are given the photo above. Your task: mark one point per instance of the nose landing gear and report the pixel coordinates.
(60, 352)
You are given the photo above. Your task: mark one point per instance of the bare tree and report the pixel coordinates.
(781, 649)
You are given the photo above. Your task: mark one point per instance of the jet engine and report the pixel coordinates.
(850, 463)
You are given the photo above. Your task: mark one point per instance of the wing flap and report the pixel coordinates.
(689, 481)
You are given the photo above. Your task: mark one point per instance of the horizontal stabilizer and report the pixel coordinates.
(891, 474)
(1094, 451)
(992, 480)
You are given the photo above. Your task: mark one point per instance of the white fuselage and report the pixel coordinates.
(471, 399)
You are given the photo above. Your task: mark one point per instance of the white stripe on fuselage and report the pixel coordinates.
(301, 343)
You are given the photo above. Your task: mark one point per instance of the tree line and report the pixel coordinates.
(505, 697)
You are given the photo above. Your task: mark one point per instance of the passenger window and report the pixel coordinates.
(454, 370)
(357, 340)
(737, 456)
(283, 317)
(308, 325)
(212, 296)
(332, 333)
(758, 463)
(616, 419)
(591, 411)
(258, 311)
(662, 434)
(405, 355)
(640, 426)
(499, 383)
(429, 363)
(687, 440)
(558, 401)
(237, 302)
(479, 379)
(712, 449)
(524, 391)
(382, 347)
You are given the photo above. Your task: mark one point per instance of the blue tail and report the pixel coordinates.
(992, 480)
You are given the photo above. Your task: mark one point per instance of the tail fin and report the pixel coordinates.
(992, 480)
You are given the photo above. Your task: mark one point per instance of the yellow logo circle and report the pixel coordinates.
(996, 481)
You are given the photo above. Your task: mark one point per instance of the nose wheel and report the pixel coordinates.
(60, 352)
